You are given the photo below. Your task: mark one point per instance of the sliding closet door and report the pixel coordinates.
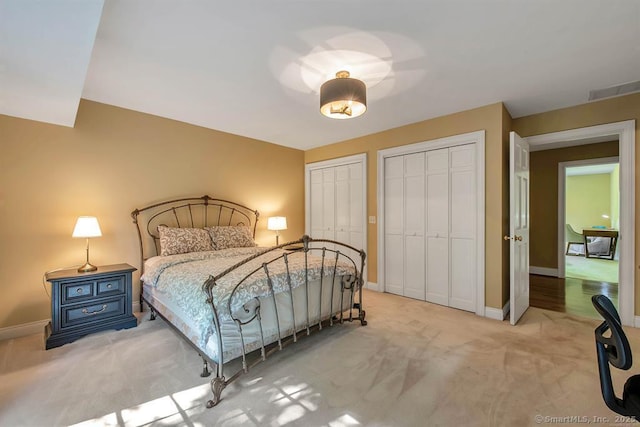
(393, 225)
(437, 222)
(463, 227)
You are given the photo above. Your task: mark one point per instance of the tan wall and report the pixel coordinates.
(588, 198)
(494, 120)
(544, 197)
(112, 162)
(594, 113)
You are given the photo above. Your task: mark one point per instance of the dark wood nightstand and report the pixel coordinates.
(84, 303)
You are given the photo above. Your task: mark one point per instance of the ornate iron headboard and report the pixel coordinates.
(195, 212)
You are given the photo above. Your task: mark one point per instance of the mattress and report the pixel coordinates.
(176, 293)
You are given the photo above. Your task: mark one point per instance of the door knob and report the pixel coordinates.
(518, 238)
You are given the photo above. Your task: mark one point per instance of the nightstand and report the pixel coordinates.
(84, 303)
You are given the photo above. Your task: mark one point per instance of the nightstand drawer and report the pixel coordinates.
(111, 285)
(87, 313)
(76, 291)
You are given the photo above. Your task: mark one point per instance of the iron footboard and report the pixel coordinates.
(333, 301)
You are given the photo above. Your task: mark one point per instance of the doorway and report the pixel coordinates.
(624, 133)
(588, 206)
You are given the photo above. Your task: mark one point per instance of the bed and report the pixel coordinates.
(230, 299)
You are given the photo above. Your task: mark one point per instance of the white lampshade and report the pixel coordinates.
(87, 226)
(277, 223)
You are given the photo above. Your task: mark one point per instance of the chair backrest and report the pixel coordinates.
(614, 350)
(572, 235)
(616, 346)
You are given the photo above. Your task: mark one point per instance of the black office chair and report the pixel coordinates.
(615, 350)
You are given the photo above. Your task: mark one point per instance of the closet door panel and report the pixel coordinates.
(463, 228)
(316, 199)
(437, 204)
(356, 197)
(463, 274)
(394, 265)
(414, 196)
(394, 196)
(343, 200)
(437, 261)
(328, 203)
(437, 226)
(343, 204)
(463, 192)
(414, 267)
(393, 225)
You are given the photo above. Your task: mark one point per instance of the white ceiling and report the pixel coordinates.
(254, 68)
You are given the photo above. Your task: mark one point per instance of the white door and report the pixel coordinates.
(518, 226)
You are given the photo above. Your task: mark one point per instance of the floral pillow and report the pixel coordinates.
(182, 240)
(238, 236)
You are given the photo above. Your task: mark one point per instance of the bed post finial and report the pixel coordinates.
(305, 242)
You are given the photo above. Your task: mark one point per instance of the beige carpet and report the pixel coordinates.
(415, 364)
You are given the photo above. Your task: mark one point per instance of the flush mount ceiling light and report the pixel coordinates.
(343, 97)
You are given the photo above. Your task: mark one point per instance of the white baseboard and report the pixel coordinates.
(543, 271)
(496, 313)
(23, 330)
(136, 307)
(636, 322)
(373, 286)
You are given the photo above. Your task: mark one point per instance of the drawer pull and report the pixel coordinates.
(109, 286)
(93, 313)
(79, 290)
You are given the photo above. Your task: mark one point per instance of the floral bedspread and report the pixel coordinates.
(182, 276)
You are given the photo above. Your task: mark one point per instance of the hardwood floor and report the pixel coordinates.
(569, 295)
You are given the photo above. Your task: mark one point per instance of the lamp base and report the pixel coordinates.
(87, 268)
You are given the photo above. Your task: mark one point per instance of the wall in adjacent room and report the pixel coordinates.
(588, 197)
(113, 161)
(544, 197)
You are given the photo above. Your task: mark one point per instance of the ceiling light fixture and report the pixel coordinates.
(343, 97)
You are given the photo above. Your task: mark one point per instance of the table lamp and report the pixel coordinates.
(277, 223)
(87, 226)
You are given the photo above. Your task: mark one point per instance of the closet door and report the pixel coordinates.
(414, 224)
(437, 223)
(393, 225)
(343, 204)
(463, 227)
(316, 226)
(356, 226)
(328, 203)
(335, 205)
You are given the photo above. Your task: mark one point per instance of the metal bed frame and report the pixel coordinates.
(198, 212)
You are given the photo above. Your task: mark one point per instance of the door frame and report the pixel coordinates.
(341, 161)
(562, 201)
(478, 138)
(625, 133)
